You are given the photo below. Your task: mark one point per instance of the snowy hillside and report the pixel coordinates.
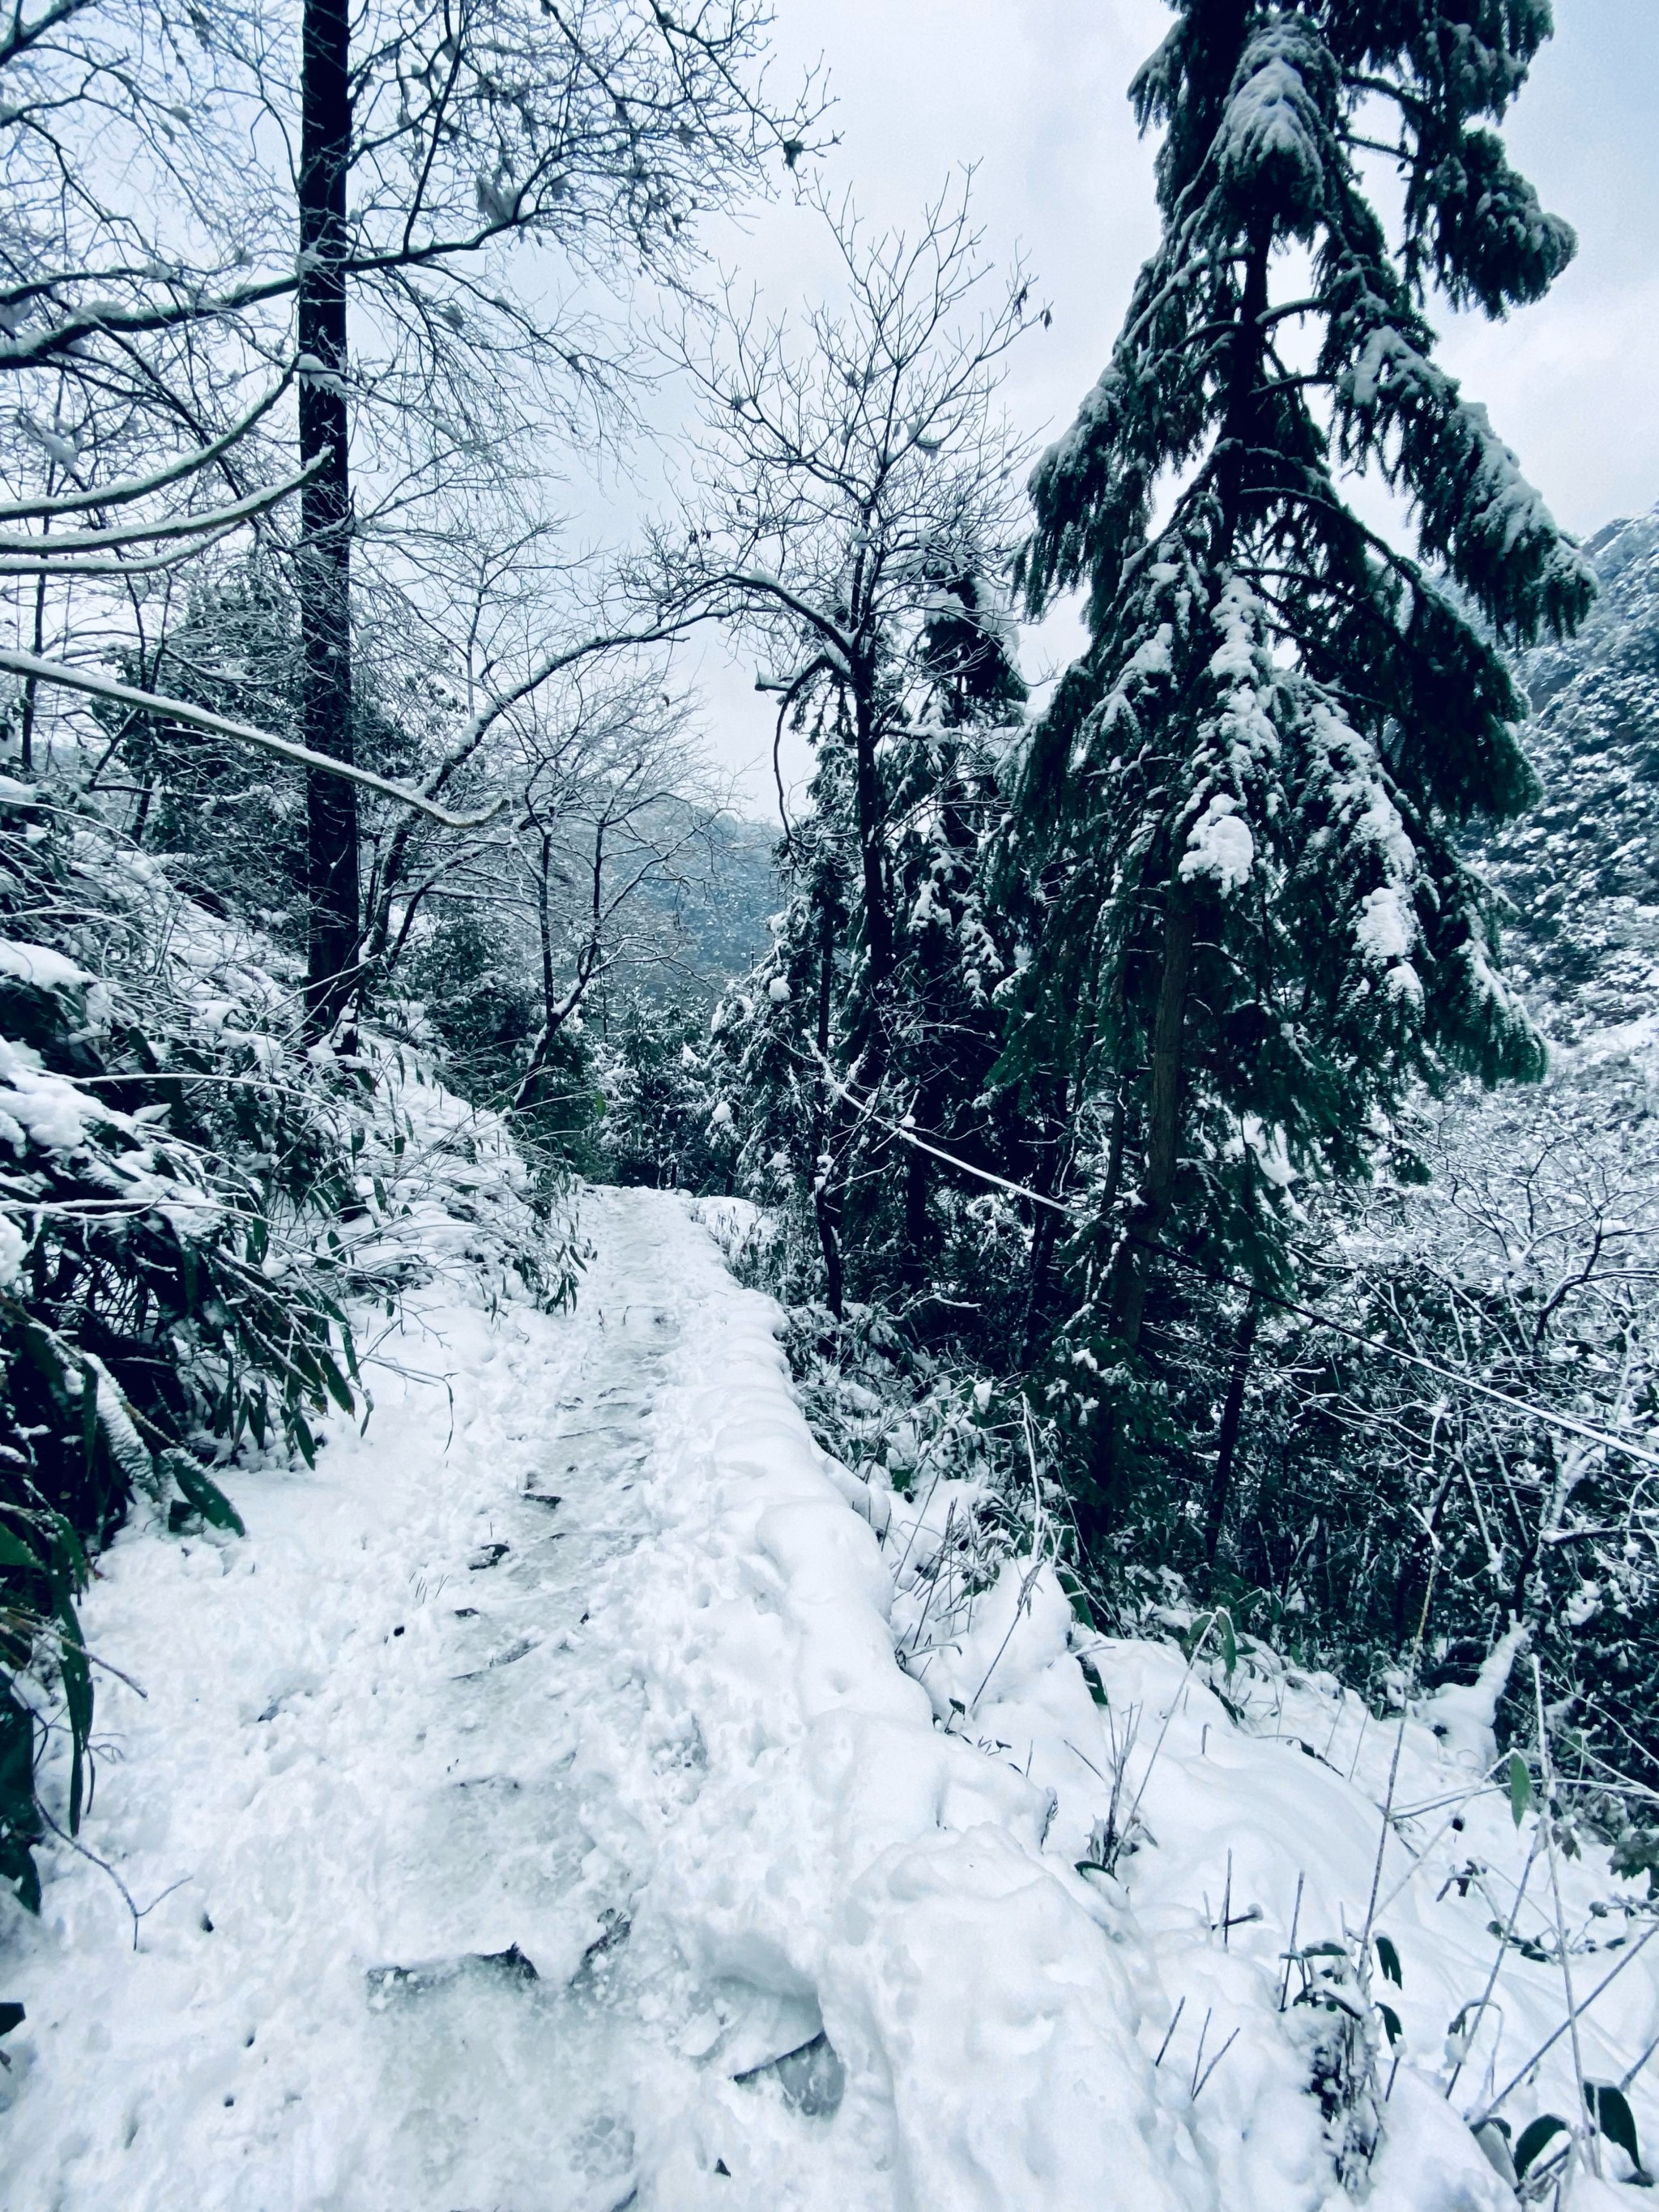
(534, 1811)
(1582, 868)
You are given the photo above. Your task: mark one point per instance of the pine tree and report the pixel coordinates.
(1240, 812)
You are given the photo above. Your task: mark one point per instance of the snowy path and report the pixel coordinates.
(530, 1815)
(509, 1834)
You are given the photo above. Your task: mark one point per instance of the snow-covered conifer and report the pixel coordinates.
(1244, 801)
(860, 519)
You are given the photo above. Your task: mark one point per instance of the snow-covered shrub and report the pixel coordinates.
(161, 1306)
(191, 1201)
(483, 1016)
(666, 1120)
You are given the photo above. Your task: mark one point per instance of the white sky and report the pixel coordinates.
(1033, 92)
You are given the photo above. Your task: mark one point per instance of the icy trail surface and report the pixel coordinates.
(531, 1814)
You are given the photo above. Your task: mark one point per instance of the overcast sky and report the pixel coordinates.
(1033, 92)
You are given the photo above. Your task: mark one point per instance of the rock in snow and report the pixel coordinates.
(531, 1813)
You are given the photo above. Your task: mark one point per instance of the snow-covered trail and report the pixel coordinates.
(532, 1777)
(532, 1814)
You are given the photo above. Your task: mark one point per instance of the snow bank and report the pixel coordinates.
(847, 1856)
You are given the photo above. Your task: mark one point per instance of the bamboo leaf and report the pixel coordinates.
(1520, 1787)
(203, 1492)
(1533, 2137)
(1610, 2109)
(336, 1383)
(14, 1552)
(77, 1699)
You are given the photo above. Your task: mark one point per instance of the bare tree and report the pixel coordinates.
(611, 811)
(177, 334)
(849, 477)
(859, 507)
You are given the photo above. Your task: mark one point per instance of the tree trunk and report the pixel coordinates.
(823, 1205)
(1045, 1224)
(1152, 1205)
(544, 925)
(920, 1172)
(26, 733)
(878, 923)
(324, 568)
(917, 1237)
(1232, 1416)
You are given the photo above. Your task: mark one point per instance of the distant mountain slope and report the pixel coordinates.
(714, 906)
(1582, 868)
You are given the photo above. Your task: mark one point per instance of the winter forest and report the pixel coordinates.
(828, 1222)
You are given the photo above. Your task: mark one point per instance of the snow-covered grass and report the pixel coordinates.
(496, 1851)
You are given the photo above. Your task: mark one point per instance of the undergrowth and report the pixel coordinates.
(193, 1203)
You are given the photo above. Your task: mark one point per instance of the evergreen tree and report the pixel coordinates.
(1253, 923)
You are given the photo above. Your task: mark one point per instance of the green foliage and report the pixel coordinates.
(1520, 1788)
(1258, 930)
(1535, 2138)
(483, 1007)
(824, 1075)
(234, 829)
(156, 1319)
(1636, 1852)
(1609, 2108)
(666, 1122)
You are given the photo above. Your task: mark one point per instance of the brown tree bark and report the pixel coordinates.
(324, 568)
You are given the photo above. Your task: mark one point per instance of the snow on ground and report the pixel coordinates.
(530, 1815)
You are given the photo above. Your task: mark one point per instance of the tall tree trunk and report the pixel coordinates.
(878, 923)
(544, 925)
(324, 569)
(26, 735)
(1152, 1205)
(1232, 1418)
(1051, 1110)
(919, 1171)
(918, 1236)
(824, 1208)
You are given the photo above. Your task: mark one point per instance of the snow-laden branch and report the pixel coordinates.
(112, 564)
(164, 710)
(132, 488)
(763, 584)
(46, 551)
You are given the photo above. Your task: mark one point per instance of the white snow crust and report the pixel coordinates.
(492, 1852)
(1219, 844)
